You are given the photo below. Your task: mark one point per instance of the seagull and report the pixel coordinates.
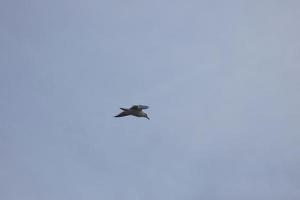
(136, 110)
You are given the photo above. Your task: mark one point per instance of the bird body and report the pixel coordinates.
(136, 110)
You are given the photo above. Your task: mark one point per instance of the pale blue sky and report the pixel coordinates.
(221, 79)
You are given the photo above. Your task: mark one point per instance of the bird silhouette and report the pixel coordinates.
(135, 110)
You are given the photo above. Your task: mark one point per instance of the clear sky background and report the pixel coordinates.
(222, 79)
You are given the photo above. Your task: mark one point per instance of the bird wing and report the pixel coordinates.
(122, 114)
(139, 107)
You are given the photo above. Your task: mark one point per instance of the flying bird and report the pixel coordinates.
(136, 110)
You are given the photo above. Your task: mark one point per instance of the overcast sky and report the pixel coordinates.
(222, 79)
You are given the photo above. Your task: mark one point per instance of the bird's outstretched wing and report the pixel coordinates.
(122, 114)
(139, 107)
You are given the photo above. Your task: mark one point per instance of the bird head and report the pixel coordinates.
(146, 116)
